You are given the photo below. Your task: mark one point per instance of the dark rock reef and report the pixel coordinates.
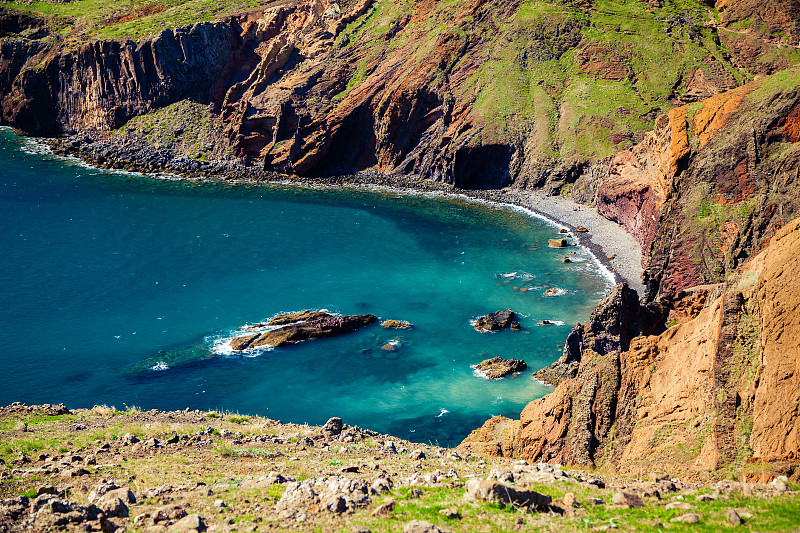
(496, 321)
(298, 327)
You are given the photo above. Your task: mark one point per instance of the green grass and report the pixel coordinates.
(93, 19)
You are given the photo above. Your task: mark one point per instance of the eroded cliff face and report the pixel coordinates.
(717, 391)
(708, 186)
(474, 93)
(104, 83)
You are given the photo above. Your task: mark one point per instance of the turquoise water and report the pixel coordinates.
(114, 289)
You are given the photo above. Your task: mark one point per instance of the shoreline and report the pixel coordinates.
(616, 254)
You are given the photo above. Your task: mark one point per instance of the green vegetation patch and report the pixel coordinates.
(83, 20)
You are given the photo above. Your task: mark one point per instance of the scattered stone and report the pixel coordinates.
(566, 260)
(688, 518)
(384, 510)
(683, 506)
(416, 455)
(449, 513)
(557, 243)
(220, 503)
(167, 513)
(495, 492)
(189, 524)
(544, 323)
(129, 439)
(779, 485)
(706, 498)
(380, 486)
(623, 498)
(733, 517)
(612, 257)
(415, 493)
(597, 483)
(396, 324)
(497, 367)
(581, 229)
(421, 526)
(562, 230)
(74, 472)
(112, 506)
(496, 321)
(595, 501)
(389, 347)
(569, 500)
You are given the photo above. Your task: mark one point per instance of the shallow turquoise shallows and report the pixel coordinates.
(119, 289)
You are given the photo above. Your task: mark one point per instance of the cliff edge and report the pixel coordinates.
(717, 391)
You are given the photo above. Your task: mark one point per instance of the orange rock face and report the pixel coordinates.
(683, 401)
(776, 409)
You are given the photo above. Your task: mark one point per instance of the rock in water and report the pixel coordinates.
(557, 243)
(497, 367)
(396, 324)
(497, 320)
(321, 325)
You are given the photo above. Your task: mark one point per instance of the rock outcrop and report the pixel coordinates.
(616, 320)
(717, 389)
(496, 321)
(300, 327)
(497, 367)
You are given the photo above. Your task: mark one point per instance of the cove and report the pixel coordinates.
(116, 289)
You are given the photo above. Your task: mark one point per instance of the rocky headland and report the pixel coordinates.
(674, 130)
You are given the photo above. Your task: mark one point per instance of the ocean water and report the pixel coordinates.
(118, 289)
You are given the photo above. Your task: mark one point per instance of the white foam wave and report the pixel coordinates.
(556, 291)
(160, 367)
(442, 412)
(521, 274)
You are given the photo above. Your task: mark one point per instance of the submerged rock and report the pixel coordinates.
(320, 324)
(497, 320)
(497, 367)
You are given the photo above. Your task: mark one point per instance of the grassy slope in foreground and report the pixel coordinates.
(215, 454)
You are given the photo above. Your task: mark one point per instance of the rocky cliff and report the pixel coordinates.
(718, 390)
(477, 93)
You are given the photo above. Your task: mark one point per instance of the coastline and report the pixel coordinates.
(605, 238)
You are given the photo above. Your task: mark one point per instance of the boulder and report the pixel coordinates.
(629, 500)
(492, 491)
(581, 229)
(320, 324)
(333, 427)
(557, 243)
(497, 367)
(496, 321)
